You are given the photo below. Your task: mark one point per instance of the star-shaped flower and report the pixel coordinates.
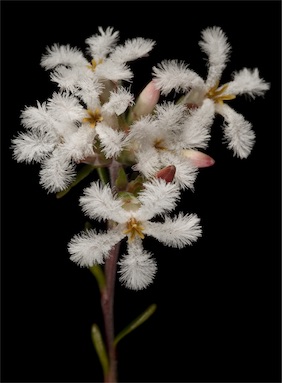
(133, 220)
(171, 74)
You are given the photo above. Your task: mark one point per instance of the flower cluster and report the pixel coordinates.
(152, 150)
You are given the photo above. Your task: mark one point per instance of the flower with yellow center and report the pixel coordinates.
(137, 267)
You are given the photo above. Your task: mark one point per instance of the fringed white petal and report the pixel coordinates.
(147, 161)
(57, 172)
(112, 141)
(66, 78)
(137, 268)
(89, 89)
(118, 102)
(100, 45)
(111, 70)
(62, 55)
(214, 44)
(32, 147)
(37, 118)
(81, 143)
(178, 232)
(99, 203)
(65, 106)
(247, 81)
(156, 198)
(171, 74)
(196, 128)
(238, 132)
(90, 248)
(132, 50)
(170, 116)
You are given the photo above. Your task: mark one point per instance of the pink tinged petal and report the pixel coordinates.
(199, 159)
(89, 248)
(178, 232)
(146, 101)
(167, 174)
(99, 203)
(137, 268)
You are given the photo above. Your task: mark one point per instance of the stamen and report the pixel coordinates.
(94, 64)
(216, 94)
(133, 228)
(94, 117)
(159, 144)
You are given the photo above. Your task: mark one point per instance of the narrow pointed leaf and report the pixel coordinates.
(103, 176)
(97, 271)
(135, 323)
(100, 348)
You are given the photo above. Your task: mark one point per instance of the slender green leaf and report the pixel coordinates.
(99, 275)
(135, 323)
(103, 176)
(100, 348)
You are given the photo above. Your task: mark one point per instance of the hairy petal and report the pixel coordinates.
(89, 248)
(247, 81)
(214, 44)
(32, 146)
(196, 132)
(171, 74)
(118, 101)
(238, 132)
(178, 232)
(99, 203)
(157, 197)
(137, 268)
(112, 141)
(62, 55)
(57, 172)
(102, 43)
(132, 50)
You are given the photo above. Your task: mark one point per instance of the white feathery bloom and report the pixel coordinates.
(159, 140)
(157, 198)
(175, 75)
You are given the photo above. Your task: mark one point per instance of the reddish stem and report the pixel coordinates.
(107, 296)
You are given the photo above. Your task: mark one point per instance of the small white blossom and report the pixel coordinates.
(169, 75)
(156, 199)
(159, 140)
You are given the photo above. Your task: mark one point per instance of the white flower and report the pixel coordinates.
(137, 267)
(171, 74)
(159, 140)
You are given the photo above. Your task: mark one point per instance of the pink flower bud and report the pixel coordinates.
(167, 173)
(146, 101)
(199, 159)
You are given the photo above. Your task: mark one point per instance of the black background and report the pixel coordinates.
(218, 315)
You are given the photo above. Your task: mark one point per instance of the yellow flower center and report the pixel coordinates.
(216, 94)
(159, 144)
(94, 117)
(94, 64)
(133, 228)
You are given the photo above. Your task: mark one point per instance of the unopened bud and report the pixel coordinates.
(199, 159)
(146, 101)
(167, 173)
